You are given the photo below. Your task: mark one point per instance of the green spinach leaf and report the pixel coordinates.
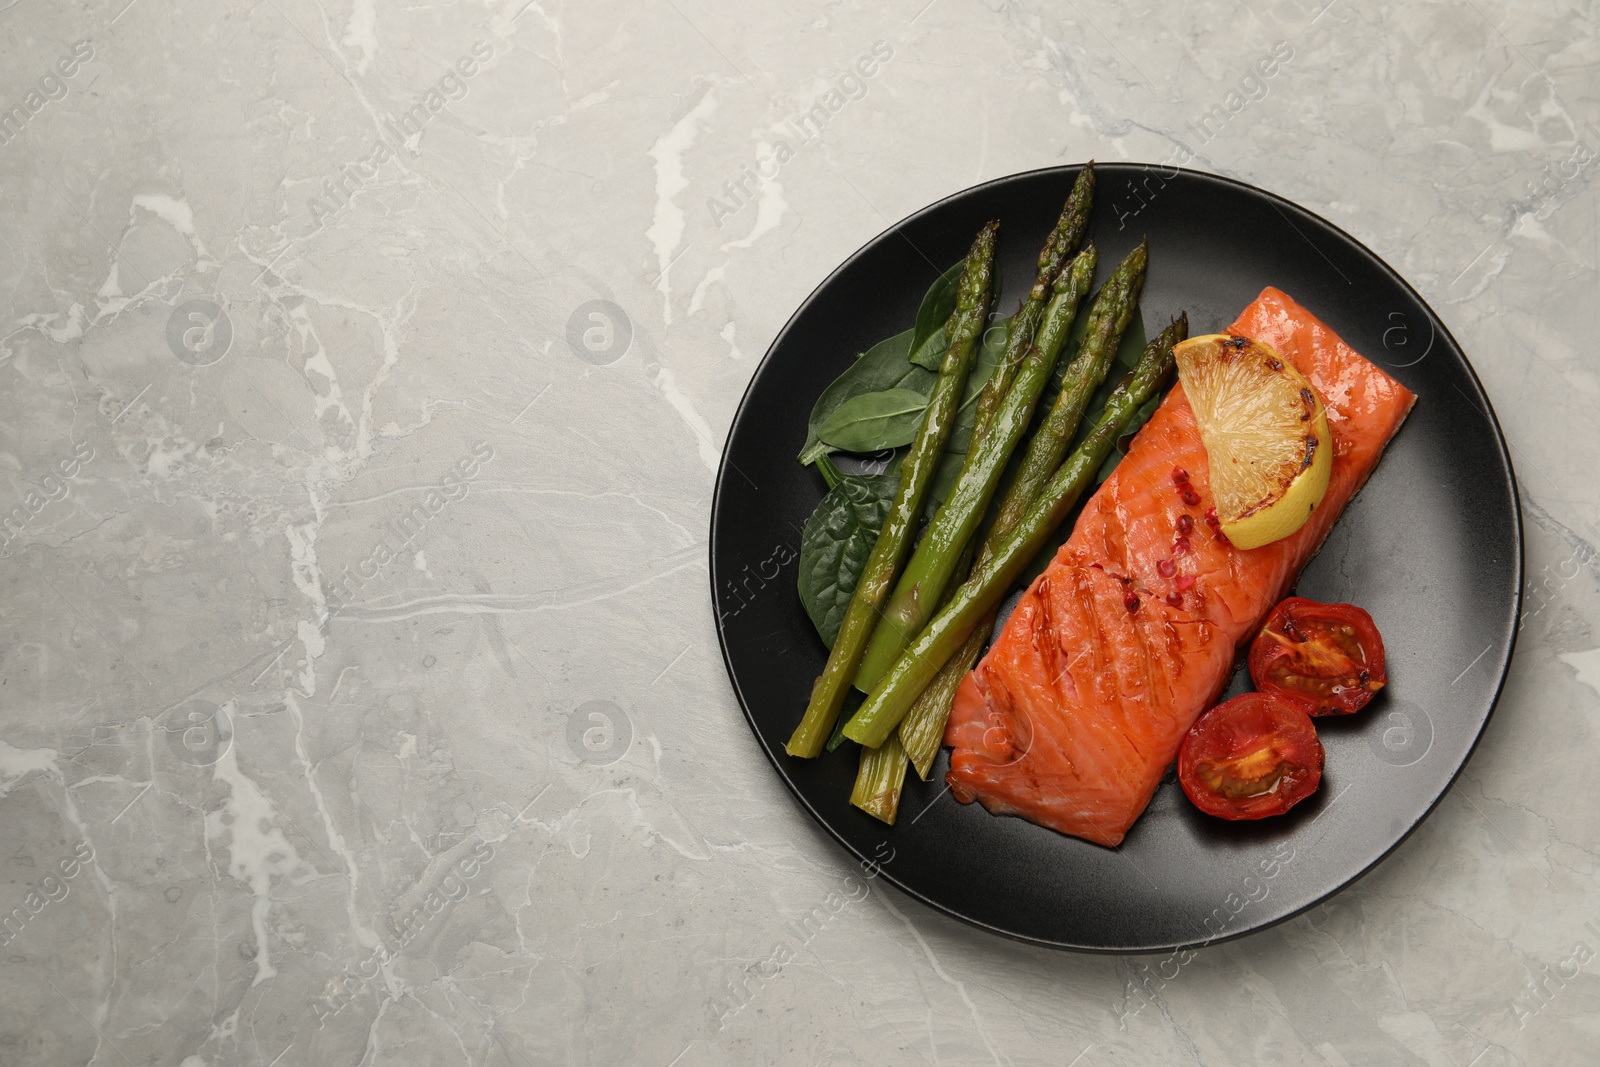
(874, 421)
(883, 366)
(835, 543)
(928, 338)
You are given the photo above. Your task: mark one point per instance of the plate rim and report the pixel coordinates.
(1480, 400)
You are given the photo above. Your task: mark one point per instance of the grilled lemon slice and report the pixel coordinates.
(1266, 435)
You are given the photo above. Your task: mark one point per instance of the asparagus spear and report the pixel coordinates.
(888, 703)
(878, 782)
(1061, 243)
(881, 774)
(916, 476)
(922, 730)
(1113, 309)
(1005, 408)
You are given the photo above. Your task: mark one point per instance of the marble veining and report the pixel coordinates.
(366, 368)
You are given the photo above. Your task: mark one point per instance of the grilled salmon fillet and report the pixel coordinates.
(1075, 713)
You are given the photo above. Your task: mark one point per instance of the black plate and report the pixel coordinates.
(1432, 547)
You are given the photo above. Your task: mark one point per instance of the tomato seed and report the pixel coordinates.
(1180, 547)
(1179, 475)
(1130, 600)
(1185, 582)
(1175, 599)
(1166, 568)
(1185, 524)
(1191, 497)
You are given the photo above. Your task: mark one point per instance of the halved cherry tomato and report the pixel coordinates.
(1327, 657)
(1253, 756)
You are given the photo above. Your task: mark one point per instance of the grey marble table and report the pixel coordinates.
(366, 367)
